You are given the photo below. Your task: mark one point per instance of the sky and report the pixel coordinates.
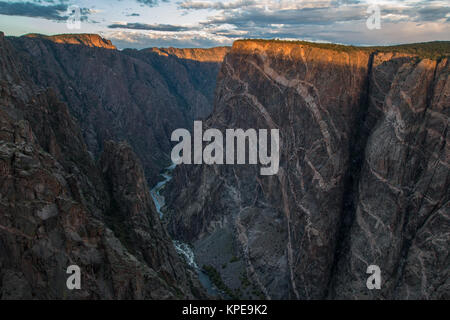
(207, 23)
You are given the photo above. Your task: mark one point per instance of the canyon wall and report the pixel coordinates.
(58, 207)
(363, 179)
(136, 96)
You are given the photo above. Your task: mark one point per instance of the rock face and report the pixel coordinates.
(197, 54)
(363, 179)
(401, 205)
(59, 208)
(135, 221)
(136, 96)
(89, 40)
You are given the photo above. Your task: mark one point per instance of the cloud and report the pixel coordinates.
(197, 5)
(261, 17)
(433, 13)
(30, 9)
(342, 21)
(151, 3)
(300, 12)
(56, 10)
(151, 27)
(265, 4)
(337, 21)
(223, 21)
(139, 40)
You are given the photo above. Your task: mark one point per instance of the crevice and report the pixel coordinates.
(357, 147)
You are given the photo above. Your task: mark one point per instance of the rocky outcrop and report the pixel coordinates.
(197, 54)
(134, 219)
(58, 208)
(363, 179)
(85, 39)
(136, 96)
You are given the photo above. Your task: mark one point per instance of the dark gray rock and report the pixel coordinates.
(58, 208)
(364, 173)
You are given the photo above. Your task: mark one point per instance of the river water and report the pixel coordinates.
(182, 248)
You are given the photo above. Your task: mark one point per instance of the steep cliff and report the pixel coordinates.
(59, 208)
(136, 96)
(197, 54)
(401, 199)
(363, 179)
(89, 40)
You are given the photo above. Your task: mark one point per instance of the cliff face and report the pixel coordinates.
(136, 96)
(59, 208)
(401, 209)
(88, 40)
(363, 179)
(190, 75)
(197, 54)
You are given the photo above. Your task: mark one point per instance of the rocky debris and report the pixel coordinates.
(364, 173)
(56, 206)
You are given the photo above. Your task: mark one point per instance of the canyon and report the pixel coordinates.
(71, 195)
(136, 96)
(363, 176)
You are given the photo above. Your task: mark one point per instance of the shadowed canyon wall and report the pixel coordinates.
(58, 206)
(136, 96)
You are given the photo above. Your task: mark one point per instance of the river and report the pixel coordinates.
(182, 248)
